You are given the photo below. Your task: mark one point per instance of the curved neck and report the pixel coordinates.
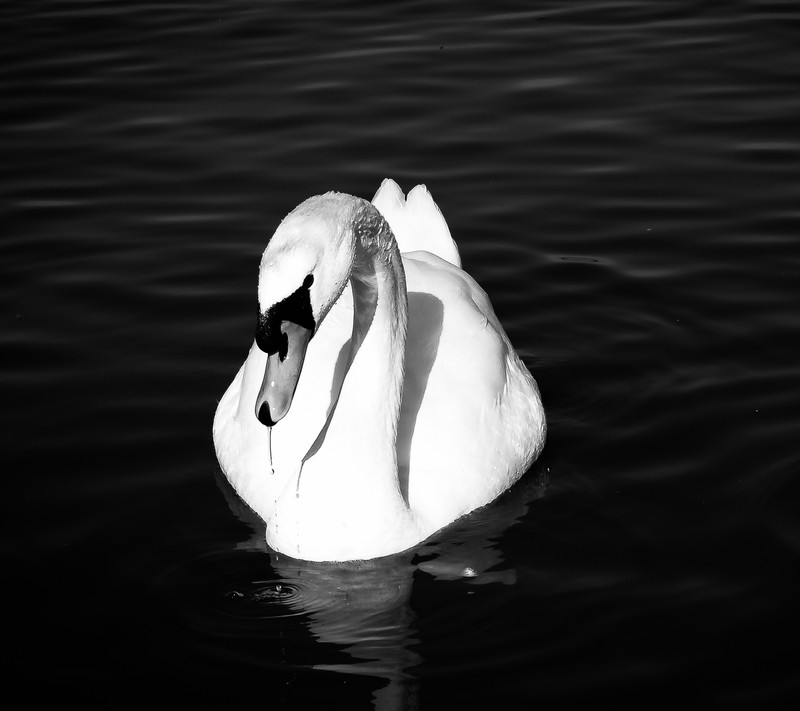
(371, 392)
(344, 501)
(380, 314)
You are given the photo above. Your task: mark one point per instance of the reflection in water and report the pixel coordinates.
(364, 608)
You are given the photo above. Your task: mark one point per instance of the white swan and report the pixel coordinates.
(406, 410)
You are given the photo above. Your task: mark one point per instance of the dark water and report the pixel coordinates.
(623, 178)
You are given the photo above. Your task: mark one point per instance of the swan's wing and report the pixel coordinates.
(416, 221)
(472, 420)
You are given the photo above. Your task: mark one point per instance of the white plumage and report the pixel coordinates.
(411, 409)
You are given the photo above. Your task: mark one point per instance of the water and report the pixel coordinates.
(621, 177)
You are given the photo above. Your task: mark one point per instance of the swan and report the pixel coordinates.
(381, 399)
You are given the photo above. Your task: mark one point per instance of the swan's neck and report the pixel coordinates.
(347, 501)
(372, 391)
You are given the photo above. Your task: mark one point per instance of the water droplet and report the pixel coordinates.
(269, 442)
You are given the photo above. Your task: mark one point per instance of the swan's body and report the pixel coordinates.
(412, 407)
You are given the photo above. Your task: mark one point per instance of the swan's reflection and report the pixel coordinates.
(364, 608)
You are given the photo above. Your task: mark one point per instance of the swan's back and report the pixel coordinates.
(416, 221)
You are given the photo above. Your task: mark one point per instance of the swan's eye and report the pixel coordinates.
(295, 308)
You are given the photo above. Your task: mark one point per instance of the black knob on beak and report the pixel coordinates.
(264, 415)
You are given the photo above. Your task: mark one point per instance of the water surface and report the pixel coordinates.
(621, 177)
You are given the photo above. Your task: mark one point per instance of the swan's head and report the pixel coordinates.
(304, 269)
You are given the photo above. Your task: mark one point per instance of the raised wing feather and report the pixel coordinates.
(416, 221)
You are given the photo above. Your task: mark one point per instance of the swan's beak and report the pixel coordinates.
(282, 373)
